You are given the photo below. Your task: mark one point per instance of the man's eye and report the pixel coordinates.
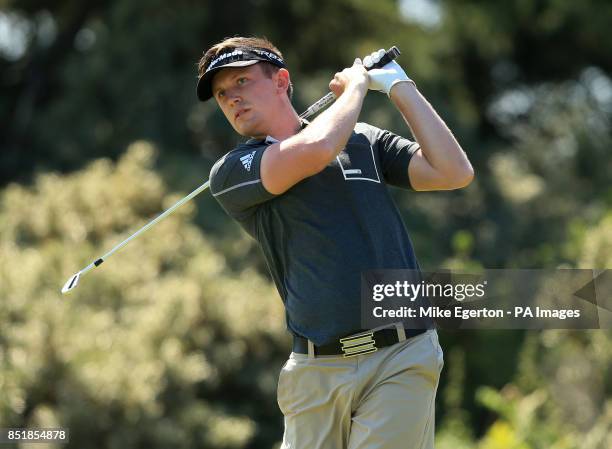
(220, 94)
(241, 81)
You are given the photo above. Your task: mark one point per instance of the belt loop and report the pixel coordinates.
(401, 333)
(311, 353)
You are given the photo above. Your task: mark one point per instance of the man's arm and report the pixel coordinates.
(285, 163)
(440, 164)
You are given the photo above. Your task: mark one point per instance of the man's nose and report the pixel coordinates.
(233, 97)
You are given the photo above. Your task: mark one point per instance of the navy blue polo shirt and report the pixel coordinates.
(319, 235)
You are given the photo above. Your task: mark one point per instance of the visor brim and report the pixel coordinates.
(204, 88)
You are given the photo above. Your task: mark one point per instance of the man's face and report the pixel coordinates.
(246, 96)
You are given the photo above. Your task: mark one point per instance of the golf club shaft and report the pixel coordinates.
(148, 225)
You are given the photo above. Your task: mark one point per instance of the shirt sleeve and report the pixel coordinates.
(395, 155)
(235, 181)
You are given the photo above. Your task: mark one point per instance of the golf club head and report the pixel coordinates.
(71, 283)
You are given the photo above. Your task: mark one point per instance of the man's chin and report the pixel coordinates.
(247, 131)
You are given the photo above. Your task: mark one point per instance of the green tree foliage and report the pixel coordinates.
(563, 403)
(159, 347)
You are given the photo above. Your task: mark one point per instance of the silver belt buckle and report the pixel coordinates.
(358, 344)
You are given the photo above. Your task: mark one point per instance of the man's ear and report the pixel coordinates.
(282, 80)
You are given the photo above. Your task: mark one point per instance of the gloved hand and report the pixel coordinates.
(385, 78)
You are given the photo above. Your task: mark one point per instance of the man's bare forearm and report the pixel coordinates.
(332, 129)
(437, 142)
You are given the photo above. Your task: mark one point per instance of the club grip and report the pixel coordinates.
(389, 56)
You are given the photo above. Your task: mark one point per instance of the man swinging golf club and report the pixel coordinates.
(315, 198)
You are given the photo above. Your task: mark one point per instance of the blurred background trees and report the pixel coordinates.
(178, 341)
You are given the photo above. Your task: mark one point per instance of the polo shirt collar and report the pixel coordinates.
(269, 140)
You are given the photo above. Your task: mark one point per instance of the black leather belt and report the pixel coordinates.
(362, 342)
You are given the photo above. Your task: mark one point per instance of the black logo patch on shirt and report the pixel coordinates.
(357, 163)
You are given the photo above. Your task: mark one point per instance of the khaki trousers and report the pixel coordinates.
(381, 400)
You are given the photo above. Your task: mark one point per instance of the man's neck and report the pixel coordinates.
(288, 124)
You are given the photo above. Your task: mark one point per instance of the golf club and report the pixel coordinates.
(379, 61)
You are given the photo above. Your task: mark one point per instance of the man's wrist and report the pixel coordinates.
(359, 85)
(403, 84)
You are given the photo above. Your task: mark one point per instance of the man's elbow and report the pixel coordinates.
(463, 177)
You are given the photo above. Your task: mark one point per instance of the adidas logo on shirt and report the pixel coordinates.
(247, 159)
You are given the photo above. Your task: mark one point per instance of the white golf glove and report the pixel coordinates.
(385, 78)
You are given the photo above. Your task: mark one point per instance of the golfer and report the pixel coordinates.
(315, 198)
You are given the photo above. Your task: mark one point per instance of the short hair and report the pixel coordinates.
(230, 43)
